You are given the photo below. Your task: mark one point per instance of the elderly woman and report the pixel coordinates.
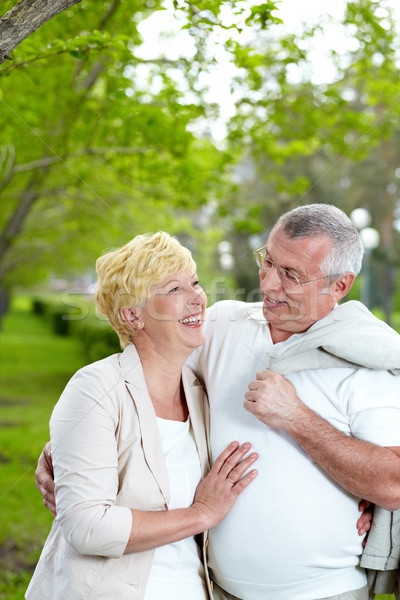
(129, 446)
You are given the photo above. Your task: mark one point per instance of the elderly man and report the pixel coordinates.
(327, 434)
(322, 409)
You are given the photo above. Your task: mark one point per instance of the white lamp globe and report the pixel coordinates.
(370, 238)
(360, 218)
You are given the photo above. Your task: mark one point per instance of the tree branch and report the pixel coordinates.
(109, 14)
(7, 162)
(30, 254)
(99, 66)
(24, 18)
(92, 78)
(31, 194)
(51, 160)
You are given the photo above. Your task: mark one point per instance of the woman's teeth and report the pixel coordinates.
(191, 320)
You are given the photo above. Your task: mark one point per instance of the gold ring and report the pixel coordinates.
(230, 481)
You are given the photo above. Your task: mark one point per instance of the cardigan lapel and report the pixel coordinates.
(198, 411)
(132, 373)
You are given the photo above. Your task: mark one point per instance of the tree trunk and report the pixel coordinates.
(4, 303)
(17, 219)
(24, 18)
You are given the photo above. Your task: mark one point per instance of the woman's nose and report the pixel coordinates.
(195, 296)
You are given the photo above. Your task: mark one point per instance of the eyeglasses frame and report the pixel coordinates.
(258, 254)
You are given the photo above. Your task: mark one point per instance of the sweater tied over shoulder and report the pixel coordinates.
(349, 336)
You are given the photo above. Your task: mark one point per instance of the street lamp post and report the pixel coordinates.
(370, 238)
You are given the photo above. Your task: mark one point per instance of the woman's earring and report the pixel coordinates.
(140, 325)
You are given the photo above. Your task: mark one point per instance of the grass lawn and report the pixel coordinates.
(35, 365)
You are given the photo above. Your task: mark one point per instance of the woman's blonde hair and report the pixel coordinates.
(126, 275)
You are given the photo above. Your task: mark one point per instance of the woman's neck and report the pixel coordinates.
(163, 378)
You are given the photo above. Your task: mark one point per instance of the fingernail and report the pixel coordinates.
(246, 445)
(253, 455)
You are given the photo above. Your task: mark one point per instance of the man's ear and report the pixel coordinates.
(342, 285)
(131, 316)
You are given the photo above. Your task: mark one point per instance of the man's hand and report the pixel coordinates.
(273, 400)
(365, 469)
(44, 479)
(364, 522)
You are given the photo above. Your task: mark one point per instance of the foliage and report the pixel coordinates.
(103, 149)
(75, 316)
(304, 140)
(98, 340)
(284, 117)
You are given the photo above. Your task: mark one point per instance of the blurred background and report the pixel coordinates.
(204, 119)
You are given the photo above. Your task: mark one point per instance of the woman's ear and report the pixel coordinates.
(130, 315)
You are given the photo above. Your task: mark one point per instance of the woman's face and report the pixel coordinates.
(173, 315)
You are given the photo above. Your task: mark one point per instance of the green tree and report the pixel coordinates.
(309, 142)
(98, 139)
(91, 152)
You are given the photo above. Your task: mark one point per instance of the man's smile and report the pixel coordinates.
(270, 303)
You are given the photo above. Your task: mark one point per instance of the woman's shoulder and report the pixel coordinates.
(99, 382)
(101, 369)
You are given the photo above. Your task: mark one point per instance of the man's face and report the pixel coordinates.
(290, 311)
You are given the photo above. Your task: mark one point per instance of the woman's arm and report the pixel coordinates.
(85, 461)
(214, 498)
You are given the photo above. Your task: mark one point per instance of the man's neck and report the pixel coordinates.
(278, 335)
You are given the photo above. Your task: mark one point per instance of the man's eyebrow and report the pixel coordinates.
(290, 269)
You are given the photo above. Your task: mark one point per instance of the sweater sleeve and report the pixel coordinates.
(85, 458)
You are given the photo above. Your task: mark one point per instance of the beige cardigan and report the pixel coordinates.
(118, 385)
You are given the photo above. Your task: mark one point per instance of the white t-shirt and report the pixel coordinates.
(177, 572)
(292, 533)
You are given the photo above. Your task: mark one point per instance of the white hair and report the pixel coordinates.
(325, 219)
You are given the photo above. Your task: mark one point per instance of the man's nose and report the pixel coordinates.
(270, 279)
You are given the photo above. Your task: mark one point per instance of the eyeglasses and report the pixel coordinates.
(288, 280)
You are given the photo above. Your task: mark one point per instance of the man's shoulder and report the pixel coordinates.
(233, 311)
(227, 323)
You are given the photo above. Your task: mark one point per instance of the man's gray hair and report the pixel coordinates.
(325, 219)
